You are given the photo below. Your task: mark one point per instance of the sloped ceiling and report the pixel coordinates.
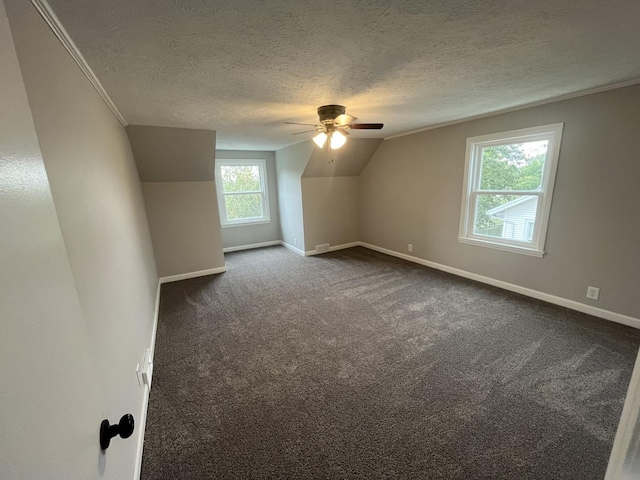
(243, 67)
(165, 154)
(348, 161)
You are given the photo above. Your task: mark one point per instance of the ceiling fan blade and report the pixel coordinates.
(366, 126)
(296, 123)
(306, 131)
(344, 119)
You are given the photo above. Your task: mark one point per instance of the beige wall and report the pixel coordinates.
(330, 192)
(176, 167)
(331, 210)
(98, 201)
(412, 188)
(185, 236)
(318, 199)
(238, 235)
(290, 163)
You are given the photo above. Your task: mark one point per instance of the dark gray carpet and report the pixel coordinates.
(359, 365)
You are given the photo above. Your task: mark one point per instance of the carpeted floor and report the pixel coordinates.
(359, 365)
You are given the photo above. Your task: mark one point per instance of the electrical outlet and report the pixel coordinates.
(147, 367)
(593, 293)
(139, 375)
(410, 247)
(295, 241)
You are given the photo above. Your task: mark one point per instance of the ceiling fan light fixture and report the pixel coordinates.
(335, 125)
(337, 140)
(320, 139)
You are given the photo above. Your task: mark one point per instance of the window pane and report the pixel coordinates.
(506, 216)
(244, 206)
(516, 166)
(240, 178)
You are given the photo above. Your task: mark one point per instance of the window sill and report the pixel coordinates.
(532, 252)
(245, 224)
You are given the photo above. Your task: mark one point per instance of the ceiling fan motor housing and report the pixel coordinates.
(329, 112)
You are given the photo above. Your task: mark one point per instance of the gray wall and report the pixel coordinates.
(319, 199)
(176, 167)
(238, 235)
(330, 192)
(412, 188)
(290, 163)
(75, 346)
(185, 236)
(331, 210)
(42, 379)
(165, 154)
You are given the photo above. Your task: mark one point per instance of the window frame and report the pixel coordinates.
(529, 228)
(471, 188)
(261, 163)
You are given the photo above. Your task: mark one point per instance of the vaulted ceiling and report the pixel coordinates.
(243, 67)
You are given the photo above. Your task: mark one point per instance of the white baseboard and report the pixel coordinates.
(185, 276)
(142, 423)
(142, 419)
(252, 245)
(292, 248)
(310, 253)
(563, 302)
(155, 321)
(345, 245)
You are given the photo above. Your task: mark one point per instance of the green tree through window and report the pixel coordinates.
(508, 167)
(242, 191)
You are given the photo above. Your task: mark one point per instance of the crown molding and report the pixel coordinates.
(54, 23)
(581, 93)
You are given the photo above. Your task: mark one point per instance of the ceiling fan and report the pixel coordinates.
(335, 125)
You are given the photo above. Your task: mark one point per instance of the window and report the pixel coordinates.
(242, 191)
(528, 231)
(507, 189)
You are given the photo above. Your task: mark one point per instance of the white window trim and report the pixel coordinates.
(552, 133)
(529, 224)
(262, 164)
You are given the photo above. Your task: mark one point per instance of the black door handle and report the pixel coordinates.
(107, 432)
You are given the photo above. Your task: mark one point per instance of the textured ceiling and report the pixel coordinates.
(243, 67)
